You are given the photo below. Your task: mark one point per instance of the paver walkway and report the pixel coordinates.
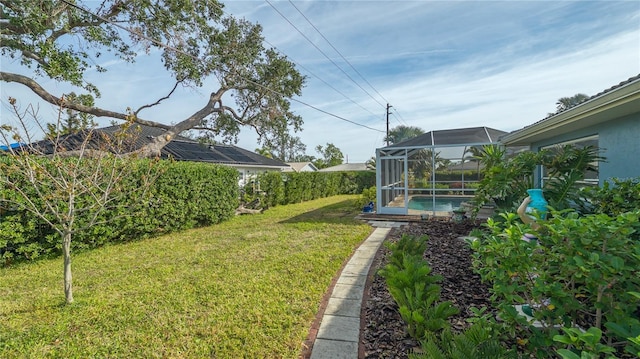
(339, 331)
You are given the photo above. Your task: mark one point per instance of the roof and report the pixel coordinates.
(298, 166)
(460, 136)
(472, 165)
(180, 148)
(617, 101)
(11, 145)
(347, 167)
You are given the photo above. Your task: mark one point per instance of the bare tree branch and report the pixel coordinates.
(175, 86)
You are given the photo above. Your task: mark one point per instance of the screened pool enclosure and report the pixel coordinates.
(433, 173)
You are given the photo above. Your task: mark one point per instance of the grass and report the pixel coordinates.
(247, 288)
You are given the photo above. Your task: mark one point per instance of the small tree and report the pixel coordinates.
(67, 190)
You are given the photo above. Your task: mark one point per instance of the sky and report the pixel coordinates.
(439, 64)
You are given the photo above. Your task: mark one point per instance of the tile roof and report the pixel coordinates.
(347, 167)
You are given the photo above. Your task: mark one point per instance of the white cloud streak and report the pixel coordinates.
(441, 64)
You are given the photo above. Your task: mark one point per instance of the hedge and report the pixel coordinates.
(294, 187)
(182, 195)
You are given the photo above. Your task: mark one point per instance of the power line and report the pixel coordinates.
(337, 51)
(325, 82)
(399, 117)
(323, 53)
(158, 43)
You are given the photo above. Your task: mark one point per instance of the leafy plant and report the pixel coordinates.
(406, 246)
(584, 269)
(506, 181)
(587, 343)
(614, 197)
(480, 341)
(367, 195)
(415, 289)
(630, 331)
(566, 167)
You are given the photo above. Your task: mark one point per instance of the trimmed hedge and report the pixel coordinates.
(296, 187)
(182, 195)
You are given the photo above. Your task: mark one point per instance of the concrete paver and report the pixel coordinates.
(339, 332)
(333, 349)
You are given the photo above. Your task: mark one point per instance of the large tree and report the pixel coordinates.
(331, 156)
(64, 40)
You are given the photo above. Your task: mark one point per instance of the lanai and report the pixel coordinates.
(414, 176)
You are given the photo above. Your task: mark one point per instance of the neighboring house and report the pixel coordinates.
(301, 167)
(248, 164)
(609, 120)
(348, 167)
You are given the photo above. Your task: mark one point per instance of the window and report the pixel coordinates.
(590, 176)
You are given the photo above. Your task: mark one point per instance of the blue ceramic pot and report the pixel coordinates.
(538, 203)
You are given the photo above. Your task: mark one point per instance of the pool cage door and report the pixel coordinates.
(392, 184)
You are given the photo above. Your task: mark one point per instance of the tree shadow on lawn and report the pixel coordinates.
(342, 212)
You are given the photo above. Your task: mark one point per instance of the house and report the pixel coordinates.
(248, 164)
(609, 120)
(301, 167)
(347, 167)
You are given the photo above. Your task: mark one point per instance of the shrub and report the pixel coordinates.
(613, 198)
(479, 341)
(583, 273)
(183, 195)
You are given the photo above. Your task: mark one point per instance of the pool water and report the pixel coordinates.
(443, 204)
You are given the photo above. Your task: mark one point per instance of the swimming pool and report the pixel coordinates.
(443, 204)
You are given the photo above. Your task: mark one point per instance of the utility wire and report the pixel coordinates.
(142, 36)
(396, 113)
(337, 51)
(401, 120)
(325, 82)
(323, 53)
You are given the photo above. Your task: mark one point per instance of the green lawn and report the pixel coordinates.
(247, 288)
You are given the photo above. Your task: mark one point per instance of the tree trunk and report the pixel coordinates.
(66, 252)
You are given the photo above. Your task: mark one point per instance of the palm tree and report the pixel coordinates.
(371, 163)
(402, 133)
(564, 103)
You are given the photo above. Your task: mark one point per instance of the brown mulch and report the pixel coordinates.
(383, 333)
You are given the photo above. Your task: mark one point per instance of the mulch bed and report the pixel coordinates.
(383, 333)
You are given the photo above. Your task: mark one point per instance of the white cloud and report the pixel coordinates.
(441, 64)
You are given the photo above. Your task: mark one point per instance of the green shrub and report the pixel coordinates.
(584, 271)
(183, 195)
(506, 180)
(368, 195)
(613, 198)
(480, 341)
